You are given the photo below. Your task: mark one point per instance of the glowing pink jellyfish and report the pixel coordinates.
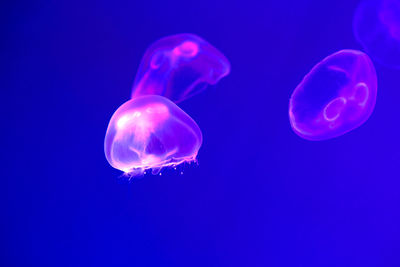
(376, 26)
(178, 67)
(150, 132)
(335, 97)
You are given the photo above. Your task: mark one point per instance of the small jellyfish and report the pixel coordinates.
(178, 67)
(376, 26)
(335, 97)
(150, 132)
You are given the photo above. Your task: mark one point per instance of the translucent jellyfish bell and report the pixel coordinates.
(335, 97)
(150, 132)
(178, 67)
(376, 26)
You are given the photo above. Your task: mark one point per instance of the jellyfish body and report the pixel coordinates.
(178, 67)
(335, 97)
(150, 132)
(376, 26)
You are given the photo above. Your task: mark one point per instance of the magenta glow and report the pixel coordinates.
(178, 67)
(150, 132)
(335, 97)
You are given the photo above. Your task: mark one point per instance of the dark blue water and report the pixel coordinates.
(261, 196)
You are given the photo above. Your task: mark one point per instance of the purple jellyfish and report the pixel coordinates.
(150, 132)
(335, 97)
(178, 67)
(376, 26)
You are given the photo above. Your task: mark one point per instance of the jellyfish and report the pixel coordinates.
(376, 26)
(150, 132)
(178, 67)
(335, 97)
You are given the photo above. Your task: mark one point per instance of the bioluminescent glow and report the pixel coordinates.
(178, 67)
(335, 97)
(377, 27)
(150, 132)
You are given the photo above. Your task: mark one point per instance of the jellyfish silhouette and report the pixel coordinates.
(150, 132)
(178, 67)
(335, 97)
(376, 26)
